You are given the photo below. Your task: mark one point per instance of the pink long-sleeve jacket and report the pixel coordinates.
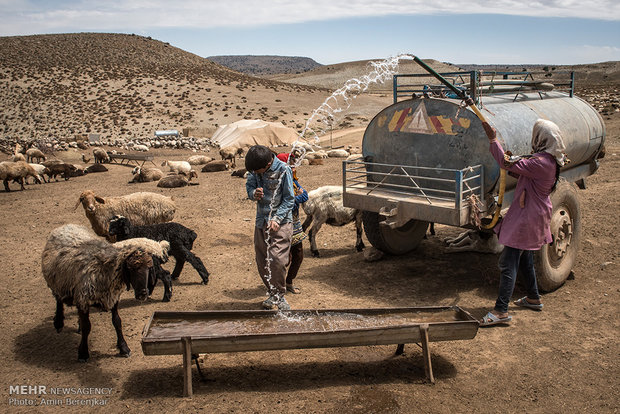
(526, 226)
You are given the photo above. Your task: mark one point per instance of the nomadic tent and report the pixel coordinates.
(248, 132)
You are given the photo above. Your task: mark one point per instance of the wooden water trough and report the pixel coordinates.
(192, 333)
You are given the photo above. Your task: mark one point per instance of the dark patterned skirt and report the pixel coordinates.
(298, 232)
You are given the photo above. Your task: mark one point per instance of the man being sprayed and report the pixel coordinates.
(270, 184)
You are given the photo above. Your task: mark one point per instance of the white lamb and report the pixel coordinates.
(325, 205)
(178, 167)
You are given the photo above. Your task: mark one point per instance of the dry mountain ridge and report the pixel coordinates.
(266, 65)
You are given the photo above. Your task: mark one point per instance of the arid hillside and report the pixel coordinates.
(126, 85)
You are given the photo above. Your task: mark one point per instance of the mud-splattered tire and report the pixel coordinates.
(554, 261)
(393, 241)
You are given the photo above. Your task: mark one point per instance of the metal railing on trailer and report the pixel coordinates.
(478, 84)
(441, 195)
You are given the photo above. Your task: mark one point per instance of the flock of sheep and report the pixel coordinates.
(133, 235)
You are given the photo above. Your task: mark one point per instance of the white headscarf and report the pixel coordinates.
(546, 137)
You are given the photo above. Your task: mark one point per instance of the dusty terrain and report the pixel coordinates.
(563, 359)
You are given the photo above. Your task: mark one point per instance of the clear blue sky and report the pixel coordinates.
(476, 31)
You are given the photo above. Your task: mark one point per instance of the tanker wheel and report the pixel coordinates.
(554, 261)
(393, 241)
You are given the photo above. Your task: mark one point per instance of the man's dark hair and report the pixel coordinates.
(258, 156)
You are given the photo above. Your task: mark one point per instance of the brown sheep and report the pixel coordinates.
(229, 153)
(141, 208)
(217, 165)
(33, 153)
(17, 171)
(177, 180)
(144, 175)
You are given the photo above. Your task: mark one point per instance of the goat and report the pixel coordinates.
(324, 205)
(143, 175)
(181, 241)
(141, 208)
(83, 270)
(178, 167)
(474, 241)
(177, 180)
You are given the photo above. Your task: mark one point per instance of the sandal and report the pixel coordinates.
(490, 319)
(293, 289)
(525, 304)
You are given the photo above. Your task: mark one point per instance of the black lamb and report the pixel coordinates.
(181, 241)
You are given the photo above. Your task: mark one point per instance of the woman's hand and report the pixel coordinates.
(491, 133)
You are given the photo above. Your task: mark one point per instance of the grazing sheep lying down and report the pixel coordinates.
(95, 168)
(474, 241)
(144, 175)
(177, 180)
(324, 205)
(141, 208)
(217, 165)
(199, 159)
(178, 167)
(181, 241)
(83, 270)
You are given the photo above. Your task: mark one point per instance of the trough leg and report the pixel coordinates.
(400, 349)
(187, 366)
(426, 352)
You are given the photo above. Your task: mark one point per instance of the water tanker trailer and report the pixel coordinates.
(426, 159)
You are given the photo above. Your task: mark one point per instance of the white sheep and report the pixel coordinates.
(41, 170)
(33, 153)
(199, 159)
(178, 167)
(325, 205)
(100, 155)
(142, 148)
(141, 208)
(84, 270)
(338, 153)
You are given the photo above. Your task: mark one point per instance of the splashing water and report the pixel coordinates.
(337, 102)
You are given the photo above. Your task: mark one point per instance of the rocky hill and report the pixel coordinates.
(122, 86)
(266, 65)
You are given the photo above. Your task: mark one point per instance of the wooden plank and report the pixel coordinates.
(426, 352)
(187, 366)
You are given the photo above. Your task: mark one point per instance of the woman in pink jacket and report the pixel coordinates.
(525, 228)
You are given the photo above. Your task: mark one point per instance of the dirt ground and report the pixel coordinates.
(561, 360)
